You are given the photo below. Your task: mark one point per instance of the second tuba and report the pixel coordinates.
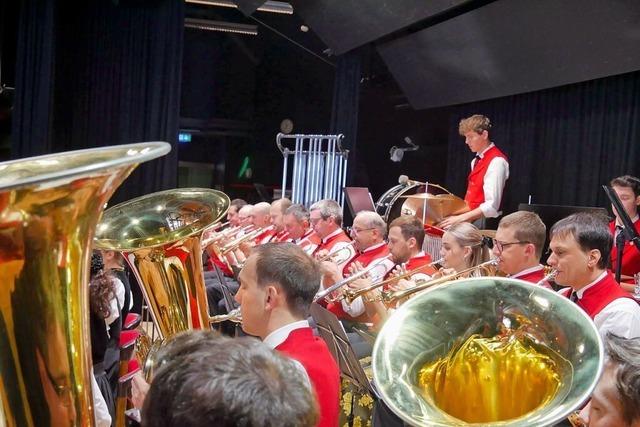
(160, 237)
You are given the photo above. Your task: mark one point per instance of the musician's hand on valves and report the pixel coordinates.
(321, 254)
(330, 269)
(355, 267)
(398, 270)
(360, 283)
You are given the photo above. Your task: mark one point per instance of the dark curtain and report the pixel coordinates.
(33, 101)
(346, 100)
(117, 81)
(562, 143)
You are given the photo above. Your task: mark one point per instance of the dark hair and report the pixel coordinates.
(527, 227)
(591, 231)
(410, 226)
(291, 268)
(625, 354)
(208, 379)
(101, 288)
(238, 203)
(627, 181)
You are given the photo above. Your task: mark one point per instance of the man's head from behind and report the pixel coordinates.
(519, 241)
(580, 245)
(277, 285)
(616, 398)
(206, 379)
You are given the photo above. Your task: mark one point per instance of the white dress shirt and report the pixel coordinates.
(493, 184)
(621, 316)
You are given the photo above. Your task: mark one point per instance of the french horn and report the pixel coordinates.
(487, 351)
(49, 208)
(160, 237)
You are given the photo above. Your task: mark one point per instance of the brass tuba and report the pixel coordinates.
(427, 333)
(49, 208)
(160, 236)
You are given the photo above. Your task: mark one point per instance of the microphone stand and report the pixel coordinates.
(629, 230)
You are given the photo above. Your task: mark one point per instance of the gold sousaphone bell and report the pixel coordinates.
(49, 208)
(487, 351)
(160, 236)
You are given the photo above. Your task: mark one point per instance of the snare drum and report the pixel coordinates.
(389, 205)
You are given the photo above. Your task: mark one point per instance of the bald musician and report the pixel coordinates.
(518, 246)
(277, 211)
(580, 246)
(277, 286)
(261, 218)
(488, 175)
(326, 219)
(368, 232)
(297, 225)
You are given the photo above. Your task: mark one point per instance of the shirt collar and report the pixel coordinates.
(481, 155)
(581, 292)
(281, 334)
(633, 220)
(527, 271)
(373, 247)
(335, 233)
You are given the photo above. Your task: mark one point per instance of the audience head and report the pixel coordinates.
(580, 245)
(296, 221)
(325, 217)
(463, 246)
(206, 379)
(276, 212)
(616, 398)
(232, 213)
(406, 237)
(475, 130)
(368, 229)
(260, 214)
(627, 188)
(519, 241)
(278, 282)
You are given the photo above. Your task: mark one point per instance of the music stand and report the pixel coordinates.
(333, 334)
(550, 214)
(358, 199)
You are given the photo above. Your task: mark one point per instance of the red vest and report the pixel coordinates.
(600, 295)
(310, 240)
(366, 258)
(475, 180)
(313, 354)
(281, 237)
(630, 255)
(535, 277)
(419, 261)
(328, 245)
(264, 237)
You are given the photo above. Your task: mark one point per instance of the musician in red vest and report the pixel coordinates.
(326, 219)
(278, 208)
(488, 175)
(277, 285)
(580, 247)
(368, 232)
(261, 218)
(628, 190)
(406, 237)
(234, 209)
(518, 246)
(297, 225)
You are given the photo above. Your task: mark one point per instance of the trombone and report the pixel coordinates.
(390, 296)
(351, 294)
(234, 244)
(234, 316)
(326, 292)
(334, 252)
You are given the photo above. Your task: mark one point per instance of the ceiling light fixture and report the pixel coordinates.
(224, 27)
(269, 6)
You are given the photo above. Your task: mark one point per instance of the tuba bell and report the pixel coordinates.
(49, 208)
(160, 237)
(432, 364)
